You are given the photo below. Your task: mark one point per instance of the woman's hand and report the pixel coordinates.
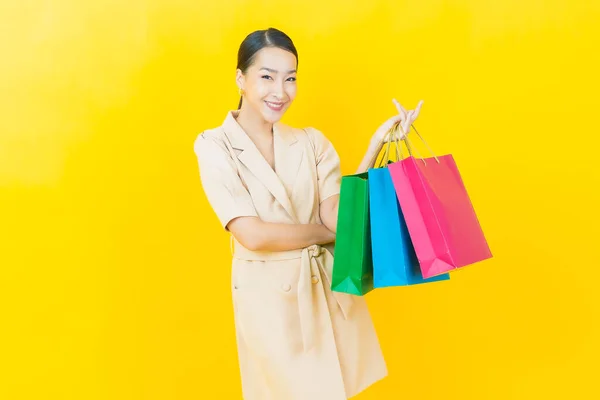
(405, 118)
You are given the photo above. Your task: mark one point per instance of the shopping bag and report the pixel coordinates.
(352, 262)
(441, 220)
(394, 260)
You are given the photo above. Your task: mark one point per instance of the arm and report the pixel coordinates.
(257, 235)
(370, 156)
(330, 206)
(328, 211)
(401, 123)
(233, 205)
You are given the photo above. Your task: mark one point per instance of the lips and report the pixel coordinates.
(275, 106)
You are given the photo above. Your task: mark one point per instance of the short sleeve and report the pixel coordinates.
(222, 185)
(328, 165)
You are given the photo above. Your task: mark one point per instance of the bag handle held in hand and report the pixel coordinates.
(392, 136)
(409, 146)
(388, 134)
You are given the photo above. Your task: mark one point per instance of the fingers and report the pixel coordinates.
(409, 117)
(417, 110)
(413, 114)
(394, 137)
(392, 121)
(407, 122)
(405, 119)
(401, 131)
(405, 114)
(401, 110)
(405, 128)
(399, 106)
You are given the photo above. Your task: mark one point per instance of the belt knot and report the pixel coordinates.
(315, 250)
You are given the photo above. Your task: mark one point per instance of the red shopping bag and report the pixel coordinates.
(440, 217)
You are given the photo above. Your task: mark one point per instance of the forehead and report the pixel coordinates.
(275, 58)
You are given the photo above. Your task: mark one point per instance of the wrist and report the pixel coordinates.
(324, 235)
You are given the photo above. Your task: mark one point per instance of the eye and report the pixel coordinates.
(292, 79)
(266, 77)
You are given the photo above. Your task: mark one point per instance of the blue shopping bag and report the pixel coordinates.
(394, 259)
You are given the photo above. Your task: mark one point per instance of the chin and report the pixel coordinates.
(273, 116)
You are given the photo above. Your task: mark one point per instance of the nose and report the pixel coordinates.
(279, 91)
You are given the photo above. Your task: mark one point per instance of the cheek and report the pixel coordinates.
(260, 90)
(291, 91)
(254, 88)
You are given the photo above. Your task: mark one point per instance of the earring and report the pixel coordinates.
(241, 92)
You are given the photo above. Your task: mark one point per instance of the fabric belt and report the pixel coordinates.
(312, 263)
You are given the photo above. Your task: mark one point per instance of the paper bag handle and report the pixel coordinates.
(409, 146)
(389, 134)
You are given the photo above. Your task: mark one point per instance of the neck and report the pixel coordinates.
(253, 124)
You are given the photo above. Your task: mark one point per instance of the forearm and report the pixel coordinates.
(370, 157)
(283, 237)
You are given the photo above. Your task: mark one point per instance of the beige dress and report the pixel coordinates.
(296, 339)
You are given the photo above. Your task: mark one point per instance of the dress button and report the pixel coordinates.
(315, 279)
(286, 287)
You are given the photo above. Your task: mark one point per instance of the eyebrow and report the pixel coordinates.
(291, 71)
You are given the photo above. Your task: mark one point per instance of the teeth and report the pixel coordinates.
(274, 105)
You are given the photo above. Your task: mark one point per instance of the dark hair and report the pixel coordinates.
(257, 41)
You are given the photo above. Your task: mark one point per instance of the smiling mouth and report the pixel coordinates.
(274, 106)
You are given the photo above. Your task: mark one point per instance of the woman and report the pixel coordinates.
(276, 189)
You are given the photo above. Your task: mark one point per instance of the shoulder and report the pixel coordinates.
(210, 140)
(309, 134)
(320, 143)
(211, 150)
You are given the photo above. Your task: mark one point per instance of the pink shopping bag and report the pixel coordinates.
(440, 217)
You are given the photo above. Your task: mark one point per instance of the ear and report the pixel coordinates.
(240, 79)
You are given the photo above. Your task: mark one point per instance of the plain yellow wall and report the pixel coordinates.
(115, 273)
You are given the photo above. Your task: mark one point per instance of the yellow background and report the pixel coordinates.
(115, 272)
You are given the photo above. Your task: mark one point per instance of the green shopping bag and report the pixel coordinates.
(352, 262)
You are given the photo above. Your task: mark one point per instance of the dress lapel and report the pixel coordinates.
(252, 159)
(289, 154)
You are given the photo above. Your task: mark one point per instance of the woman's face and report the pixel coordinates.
(269, 83)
